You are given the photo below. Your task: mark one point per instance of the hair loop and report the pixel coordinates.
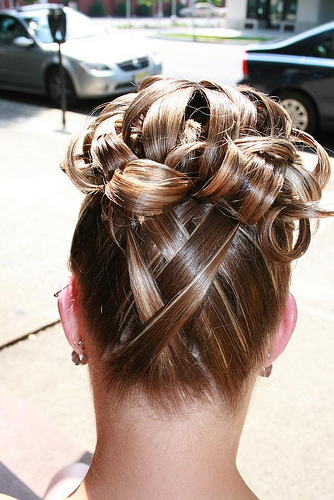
(110, 153)
(279, 249)
(145, 187)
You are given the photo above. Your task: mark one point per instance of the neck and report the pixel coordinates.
(139, 455)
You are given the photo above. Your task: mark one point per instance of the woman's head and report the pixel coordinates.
(196, 204)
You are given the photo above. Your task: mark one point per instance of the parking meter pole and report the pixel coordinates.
(193, 27)
(62, 86)
(57, 25)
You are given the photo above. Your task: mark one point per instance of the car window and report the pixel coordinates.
(78, 25)
(40, 26)
(10, 28)
(324, 49)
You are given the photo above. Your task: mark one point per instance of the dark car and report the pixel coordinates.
(300, 71)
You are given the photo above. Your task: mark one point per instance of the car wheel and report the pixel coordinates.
(301, 109)
(53, 83)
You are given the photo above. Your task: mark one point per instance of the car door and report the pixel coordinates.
(20, 67)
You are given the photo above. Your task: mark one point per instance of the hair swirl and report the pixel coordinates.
(197, 201)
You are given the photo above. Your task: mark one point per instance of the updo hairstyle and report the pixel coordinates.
(196, 203)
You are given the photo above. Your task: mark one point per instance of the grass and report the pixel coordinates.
(211, 38)
(164, 21)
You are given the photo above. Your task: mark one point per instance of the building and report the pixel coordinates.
(285, 15)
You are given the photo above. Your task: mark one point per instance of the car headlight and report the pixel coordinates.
(156, 58)
(96, 69)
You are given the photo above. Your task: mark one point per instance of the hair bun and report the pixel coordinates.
(234, 149)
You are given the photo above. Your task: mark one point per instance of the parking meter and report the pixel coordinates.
(57, 24)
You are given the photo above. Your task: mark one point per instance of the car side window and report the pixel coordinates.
(324, 49)
(10, 28)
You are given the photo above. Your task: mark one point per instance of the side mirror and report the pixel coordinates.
(23, 42)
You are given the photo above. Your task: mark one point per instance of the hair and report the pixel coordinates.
(196, 203)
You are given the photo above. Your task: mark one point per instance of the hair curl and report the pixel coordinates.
(197, 202)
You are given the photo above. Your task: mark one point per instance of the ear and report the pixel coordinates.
(286, 328)
(68, 312)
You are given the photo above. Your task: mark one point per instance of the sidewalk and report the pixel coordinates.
(287, 450)
(41, 209)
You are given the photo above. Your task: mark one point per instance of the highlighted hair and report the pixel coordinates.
(197, 202)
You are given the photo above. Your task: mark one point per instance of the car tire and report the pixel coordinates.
(53, 84)
(301, 109)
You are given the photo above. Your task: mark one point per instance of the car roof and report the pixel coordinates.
(291, 40)
(314, 31)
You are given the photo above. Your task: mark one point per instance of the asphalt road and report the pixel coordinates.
(193, 60)
(216, 62)
(181, 59)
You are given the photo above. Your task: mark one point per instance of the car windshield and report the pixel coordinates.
(77, 25)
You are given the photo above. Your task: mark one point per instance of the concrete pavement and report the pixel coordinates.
(40, 209)
(287, 450)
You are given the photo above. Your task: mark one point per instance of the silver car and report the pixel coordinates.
(97, 63)
(203, 9)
